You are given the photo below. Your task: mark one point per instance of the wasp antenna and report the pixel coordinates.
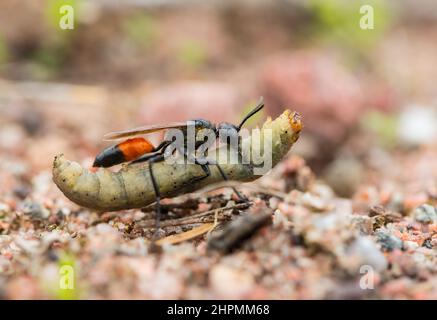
(258, 107)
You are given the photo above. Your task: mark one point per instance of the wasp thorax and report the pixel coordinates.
(227, 132)
(203, 124)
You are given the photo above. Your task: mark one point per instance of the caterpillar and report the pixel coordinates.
(131, 186)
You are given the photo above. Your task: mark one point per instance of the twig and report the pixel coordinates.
(239, 230)
(196, 218)
(188, 235)
(228, 184)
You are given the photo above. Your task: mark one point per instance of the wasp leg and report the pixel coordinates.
(157, 151)
(191, 159)
(145, 158)
(204, 164)
(242, 197)
(157, 158)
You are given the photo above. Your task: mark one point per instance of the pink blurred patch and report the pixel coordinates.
(321, 89)
(191, 100)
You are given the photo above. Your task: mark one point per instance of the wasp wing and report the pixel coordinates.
(143, 130)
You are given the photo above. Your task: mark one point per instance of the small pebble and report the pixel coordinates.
(35, 210)
(388, 241)
(425, 214)
(410, 245)
(4, 207)
(230, 282)
(367, 253)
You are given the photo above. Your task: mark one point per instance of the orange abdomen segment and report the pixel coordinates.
(135, 148)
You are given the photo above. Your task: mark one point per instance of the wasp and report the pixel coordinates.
(138, 149)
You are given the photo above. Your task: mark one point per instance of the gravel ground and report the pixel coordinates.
(349, 214)
(297, 241)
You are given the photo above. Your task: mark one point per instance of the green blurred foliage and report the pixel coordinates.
(51, 55)
(4, 52)
(141, 29)
(68, 294)
(52, 14)
(384, 126)
(192, 54)
(339, 21)
(49, 59)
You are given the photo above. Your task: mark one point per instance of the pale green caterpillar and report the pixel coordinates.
(131, 186)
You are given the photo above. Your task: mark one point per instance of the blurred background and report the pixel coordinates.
(368, 100)
(367, 96)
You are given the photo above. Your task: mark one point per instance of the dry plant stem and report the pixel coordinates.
(188, 235)
(131, 187)
(224, 184)
(202, 217)
(215, 225)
